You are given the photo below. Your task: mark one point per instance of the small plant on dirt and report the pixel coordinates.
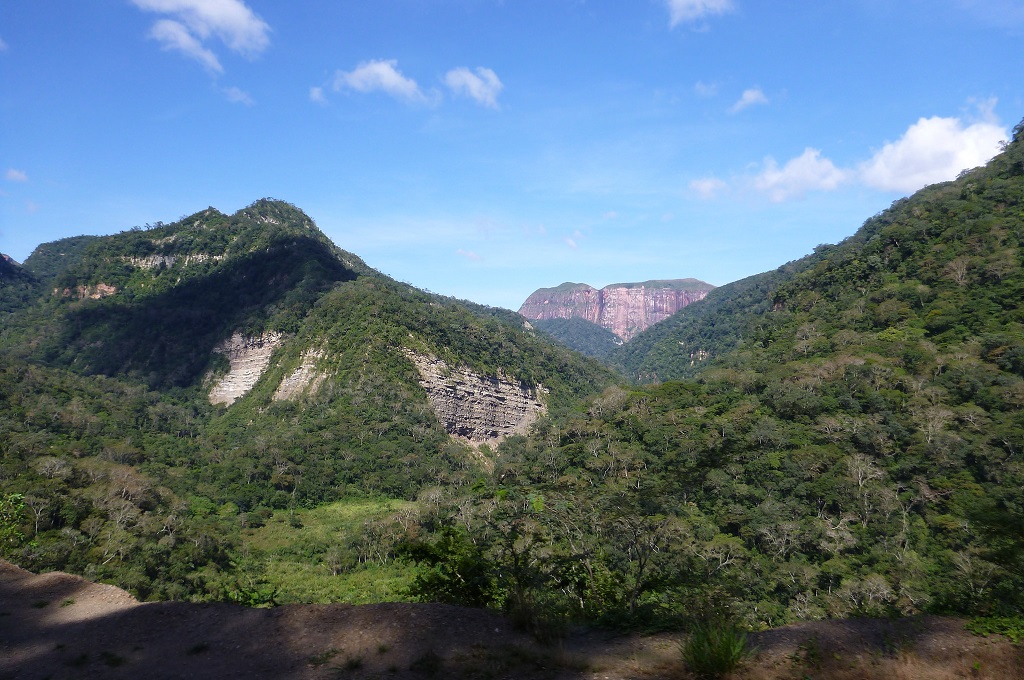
(323, 657)
(352, 663)
(715, 648)
(68, 602)
(383, 648)
(40, 604)
(809, 652)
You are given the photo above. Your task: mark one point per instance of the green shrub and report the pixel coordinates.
(1010, 626)
(714, 649)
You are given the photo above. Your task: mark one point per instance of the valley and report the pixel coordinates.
(233, 409)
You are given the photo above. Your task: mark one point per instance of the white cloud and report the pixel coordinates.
(933, 150)
(750, 97)
(14, 175)
(684, 11)
(238, 96)
(174, 36)
(380, 75)
(570, 242)
(230, 20)
(807, 172)
(195, 21)
(3, 45)
(316, 95)
(483, 86)
(707, 187)
(468, 254)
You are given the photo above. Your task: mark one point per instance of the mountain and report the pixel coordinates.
(17, 286)
(850, 443)
(581, 335)
(623, 308)
(185, 381)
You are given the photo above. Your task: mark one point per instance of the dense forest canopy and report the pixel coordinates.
(842, 436)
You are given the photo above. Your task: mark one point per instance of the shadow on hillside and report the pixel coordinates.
(168, 339)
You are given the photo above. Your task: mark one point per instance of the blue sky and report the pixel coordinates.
(486, 148)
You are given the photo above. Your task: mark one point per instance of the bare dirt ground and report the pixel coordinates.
(61, 626)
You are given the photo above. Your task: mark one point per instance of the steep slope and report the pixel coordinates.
(623, 308)
(182, 382)
(50, 259)
(581, 335)
(17, 287)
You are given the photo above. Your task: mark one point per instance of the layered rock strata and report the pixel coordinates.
(307, 377)
(475, 408)
(248, 358)
(625, 309)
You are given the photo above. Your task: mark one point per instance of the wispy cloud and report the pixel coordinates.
(707, 187)
(932, 150)
(238, 96)
(705, 90)
(687, 11)
(807, 172)
(316, 95)
(3, 45)
(380, 75)
(482, 86)
(172, 35)
(14, 175)
(194, 22)
(749, 98)
(468, 254)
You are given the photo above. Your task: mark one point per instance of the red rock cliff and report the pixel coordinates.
(625, 309)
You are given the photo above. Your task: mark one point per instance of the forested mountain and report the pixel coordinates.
(852, 441)
(581, 335)
(17, 286)
(169, 386)
(842, 436)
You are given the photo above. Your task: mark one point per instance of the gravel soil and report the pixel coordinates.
(57, 625)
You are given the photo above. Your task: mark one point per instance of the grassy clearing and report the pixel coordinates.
(315, 556)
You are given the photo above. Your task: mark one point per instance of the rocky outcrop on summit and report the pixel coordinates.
(476, 408)
(625, 309)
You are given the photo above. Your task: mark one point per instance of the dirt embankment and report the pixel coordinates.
(61, 626)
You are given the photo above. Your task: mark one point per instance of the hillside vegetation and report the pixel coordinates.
(840, 437)
(117, 466)
(851, 443)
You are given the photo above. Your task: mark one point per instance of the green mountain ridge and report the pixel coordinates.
(107, 370)
(850, 442)
(840, 437)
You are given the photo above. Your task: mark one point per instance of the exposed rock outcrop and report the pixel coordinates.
(100, 290)
(476, 408)
(248, 358)
(625, 309)
(304, 378)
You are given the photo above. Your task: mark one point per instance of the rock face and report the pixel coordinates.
(625, 309)
(249, 358)
(475, 408)
(307, 377)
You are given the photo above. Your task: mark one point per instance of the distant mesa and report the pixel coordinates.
(626, 309)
